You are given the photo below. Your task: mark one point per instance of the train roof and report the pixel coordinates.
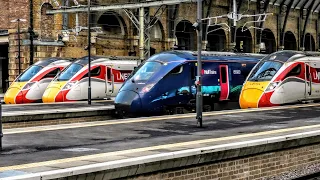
(290, 55)
(168, 56)
(84, 60)
(47, 61)
(227, 54)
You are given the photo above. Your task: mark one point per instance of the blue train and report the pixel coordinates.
(165, 83)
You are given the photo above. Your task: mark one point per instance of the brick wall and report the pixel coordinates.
(285, 164)
(48, 27)
(10, 10)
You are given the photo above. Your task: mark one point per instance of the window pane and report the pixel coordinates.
(223, 75)
(28, 74)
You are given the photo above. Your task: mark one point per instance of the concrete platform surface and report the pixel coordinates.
(48, 148)
(49, 108)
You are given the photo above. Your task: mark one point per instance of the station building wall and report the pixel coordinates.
(120, 37)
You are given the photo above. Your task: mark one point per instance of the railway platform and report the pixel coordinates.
(29, 114)
(270, 143)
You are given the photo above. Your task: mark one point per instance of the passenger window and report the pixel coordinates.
(177, 70)
(295, 71)
(223, 74)
(52, 74)
(94, 72)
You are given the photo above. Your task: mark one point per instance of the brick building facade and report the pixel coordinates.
(173, 29)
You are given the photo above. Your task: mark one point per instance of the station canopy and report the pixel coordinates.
(298, 4)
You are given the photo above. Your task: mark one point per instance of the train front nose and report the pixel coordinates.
(250, 98)
(128, 102)
(14, 95)
(53, 93)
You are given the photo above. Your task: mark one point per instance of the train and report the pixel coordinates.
(108, 74)
(29, 86)
(165, 83)
(283, 77)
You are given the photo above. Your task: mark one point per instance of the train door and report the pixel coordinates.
(311, 76)
(109, 81)
(308, 85)
(224, 82)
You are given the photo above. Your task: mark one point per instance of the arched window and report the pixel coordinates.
(47, 23)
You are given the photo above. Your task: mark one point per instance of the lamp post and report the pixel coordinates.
(89, 55)
(13, 21)
(198, 27)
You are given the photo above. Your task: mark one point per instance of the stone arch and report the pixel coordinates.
(243, 40)
(269, 41)
(112, 24)
(309, 43)
(157, 35)
(186, 35)
(157, 31)
(46, 23)
(290, 42)
(216, 39)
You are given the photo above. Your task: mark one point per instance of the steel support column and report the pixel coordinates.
(239, 5)
(282, 33)
(306, 22)
(172, 14)
(141, 33)
(207, 21)
(259, 34)
(233, 26)
(147, 29)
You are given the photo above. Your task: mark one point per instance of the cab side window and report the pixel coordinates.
(94, 72)
(52, 73)
(295, 71)
(177, 70)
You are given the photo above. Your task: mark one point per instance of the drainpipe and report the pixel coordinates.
(31, 34)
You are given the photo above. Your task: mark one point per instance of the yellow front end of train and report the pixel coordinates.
(14, 93)
(54, 92)
(252, 94)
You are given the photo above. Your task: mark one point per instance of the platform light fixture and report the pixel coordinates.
(19, 45)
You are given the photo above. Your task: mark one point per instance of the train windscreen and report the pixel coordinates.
(29, 73)
(145, 72)
(69, 72)
(265, 71)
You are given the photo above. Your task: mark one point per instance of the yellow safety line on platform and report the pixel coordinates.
(55, 103)
(136, 120)
(151, 148)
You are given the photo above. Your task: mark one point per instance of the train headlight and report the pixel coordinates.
(272, 86)
(69, 85)
(148, 87)
(28, 85)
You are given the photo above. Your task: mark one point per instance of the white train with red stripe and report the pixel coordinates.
(30, 85)
(107, 76)
(284, 77)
